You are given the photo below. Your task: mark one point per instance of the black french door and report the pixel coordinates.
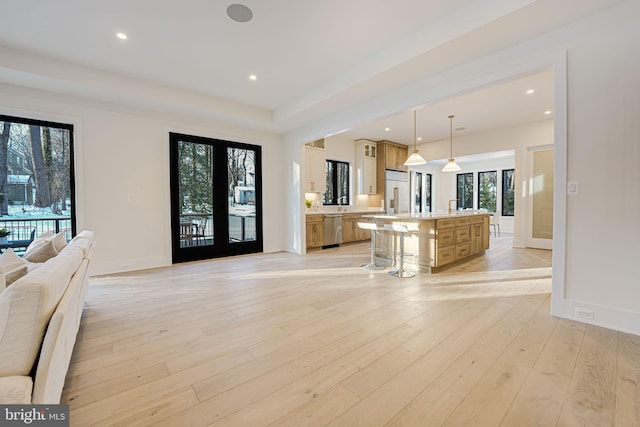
(216, 198)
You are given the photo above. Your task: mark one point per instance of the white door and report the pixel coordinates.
(539, 183)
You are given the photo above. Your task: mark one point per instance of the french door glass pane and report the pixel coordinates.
(542, 190)
(195, 169)
(241, 172)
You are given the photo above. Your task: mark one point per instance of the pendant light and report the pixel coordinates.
(451, 166)
(415, 158)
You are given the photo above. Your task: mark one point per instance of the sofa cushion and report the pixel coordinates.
(59, 240)
(15, 390)
(26, 307)
(12, 267)
(38, 241)
(42, 252)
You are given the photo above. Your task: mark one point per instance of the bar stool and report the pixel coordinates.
(400, 230)
(373, 228)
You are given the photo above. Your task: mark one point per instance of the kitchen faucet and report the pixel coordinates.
(452, 200)
(341, 206)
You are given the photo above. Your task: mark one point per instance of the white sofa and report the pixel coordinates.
(39, 320)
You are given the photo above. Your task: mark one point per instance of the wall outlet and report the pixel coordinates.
(585, 313)
(572, 188)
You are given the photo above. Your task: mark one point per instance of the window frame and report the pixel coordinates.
(505, 189)
(332, 198)
(72, 181)
(495, 195)
(465, 183)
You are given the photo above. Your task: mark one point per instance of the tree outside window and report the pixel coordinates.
(337, 183)
(464, 191)
(36, 178)
(488, 190)
(508, 192)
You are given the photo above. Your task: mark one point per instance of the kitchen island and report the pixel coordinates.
(435, 240)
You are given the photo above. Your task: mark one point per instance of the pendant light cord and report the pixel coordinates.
(451, 137)
(415, 144)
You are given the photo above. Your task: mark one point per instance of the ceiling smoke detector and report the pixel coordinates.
(239, 13)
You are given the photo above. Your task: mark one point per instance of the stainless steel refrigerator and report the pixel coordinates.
(396, 194)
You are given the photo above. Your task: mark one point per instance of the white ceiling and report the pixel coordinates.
(311, 58)
(504, 105)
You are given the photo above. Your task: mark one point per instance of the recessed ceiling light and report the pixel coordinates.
(530, 91)
(547, 112)
(419, 138)
(122, 36)
(387, 129)
(239, 13)
(253, 77)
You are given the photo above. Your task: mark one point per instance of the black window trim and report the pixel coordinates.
(334, 181)
(72, 176)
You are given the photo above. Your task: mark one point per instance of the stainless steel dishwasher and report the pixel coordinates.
(332, 230)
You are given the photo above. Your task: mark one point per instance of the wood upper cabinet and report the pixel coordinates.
(392, 156)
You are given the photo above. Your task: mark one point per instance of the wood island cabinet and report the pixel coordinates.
(435, 241)
(458, 239)
(350, 230)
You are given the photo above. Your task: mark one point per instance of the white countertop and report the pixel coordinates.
(348, 211)
(426, 215)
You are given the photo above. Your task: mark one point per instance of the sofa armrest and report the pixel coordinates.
(15, 390)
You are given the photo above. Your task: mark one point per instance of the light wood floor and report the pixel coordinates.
(287, 340)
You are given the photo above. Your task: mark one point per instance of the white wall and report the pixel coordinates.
(603, 220)
(122, 151)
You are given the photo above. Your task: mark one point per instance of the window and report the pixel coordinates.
(464, 191)
(427, 192)
(488, 190)
(422, 192)
(337, 188)
(36, 178)
(508, 192)
(417, 191)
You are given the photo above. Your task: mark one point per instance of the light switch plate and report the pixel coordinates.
(572, 187)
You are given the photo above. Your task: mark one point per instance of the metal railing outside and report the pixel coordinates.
(21, 228)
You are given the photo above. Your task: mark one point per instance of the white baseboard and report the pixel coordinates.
(599, 315)
(122, 266)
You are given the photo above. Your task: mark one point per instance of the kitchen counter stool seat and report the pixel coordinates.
(401, 230)
(373, 227)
